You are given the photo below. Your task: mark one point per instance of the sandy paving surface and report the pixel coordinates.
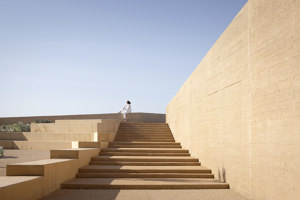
(71, 194)
(18, 156)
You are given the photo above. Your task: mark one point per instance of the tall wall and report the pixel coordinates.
(239, 111)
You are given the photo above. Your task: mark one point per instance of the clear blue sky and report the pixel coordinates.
(89, 56)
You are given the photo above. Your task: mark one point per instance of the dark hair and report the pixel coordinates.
(128, 102)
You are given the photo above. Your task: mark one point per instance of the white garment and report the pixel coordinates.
(126, 110)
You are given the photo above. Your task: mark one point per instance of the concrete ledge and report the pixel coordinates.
(51, 136)
(47, 145)
(42, 127)
(12, 136)
(21, 188)
(7, 144)
(54, 172)
(88, 144)
(83, 155)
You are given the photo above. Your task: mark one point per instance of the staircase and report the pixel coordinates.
(144, 156)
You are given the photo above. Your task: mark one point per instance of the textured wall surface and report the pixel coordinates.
(132, 117)
(239, 111)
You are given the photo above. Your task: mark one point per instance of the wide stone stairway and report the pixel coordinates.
(144, 156)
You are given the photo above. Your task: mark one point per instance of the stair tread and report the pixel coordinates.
(146, 157)
(145, 181)
(142, 149)
(132, 173)
(138, 142)
(145, 167)
(143, 175)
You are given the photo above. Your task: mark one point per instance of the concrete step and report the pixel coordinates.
(145, 150)
(122, 163)
(144, 175)
(144, 138)
(145, 183)
(47, 145)
(129, 131)
(48, 136)
(147, 139)
(143, 169)
(142, 154)
(144, 159)
(145, 129)
(144, 135)
(143, 146)
(142, 124)
(144, 143)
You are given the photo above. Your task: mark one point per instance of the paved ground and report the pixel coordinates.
(18, 156)
(143, 195)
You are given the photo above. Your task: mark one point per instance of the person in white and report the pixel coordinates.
(126, 110)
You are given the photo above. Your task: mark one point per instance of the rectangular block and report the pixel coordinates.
(21, 187)
(54, 171)
(83, 155)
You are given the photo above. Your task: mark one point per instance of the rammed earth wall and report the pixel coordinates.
(239, 111)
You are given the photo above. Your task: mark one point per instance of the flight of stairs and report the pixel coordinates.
(144, 156)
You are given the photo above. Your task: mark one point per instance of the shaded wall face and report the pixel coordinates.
(239, 110)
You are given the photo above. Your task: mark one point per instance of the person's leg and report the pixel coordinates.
(124, 116)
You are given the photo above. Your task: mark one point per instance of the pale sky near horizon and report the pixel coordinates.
(62, 57)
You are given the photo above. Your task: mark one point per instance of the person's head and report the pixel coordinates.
(128, 102)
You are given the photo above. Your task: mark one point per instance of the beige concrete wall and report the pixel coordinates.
(132, 117)
(239, 110)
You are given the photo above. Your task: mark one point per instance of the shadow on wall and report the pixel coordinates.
(222, 175)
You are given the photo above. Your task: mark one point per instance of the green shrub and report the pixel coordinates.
(16, 127)
(42, 121)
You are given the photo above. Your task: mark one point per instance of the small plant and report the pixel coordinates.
(42, 121)
(16, 127)
(1, 152)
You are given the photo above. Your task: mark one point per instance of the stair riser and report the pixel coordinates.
(143, 160)
(145, 129)
(144, 151)
(144, 146)
(144, 125)
(142, 143)
(91, 186)
(146, 163)
(144, 171)
(146, 140)
(142, 154)
(144, 135)
(129, 131)
(137, 175)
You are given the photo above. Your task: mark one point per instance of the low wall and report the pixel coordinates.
(239, 111)
(35, 179)
(132, 117)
